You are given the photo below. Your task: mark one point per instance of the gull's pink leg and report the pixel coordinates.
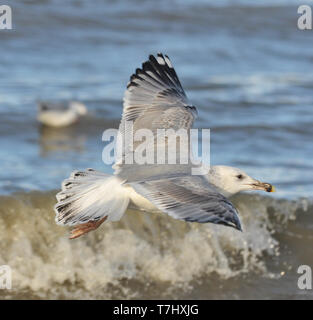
(86, 227)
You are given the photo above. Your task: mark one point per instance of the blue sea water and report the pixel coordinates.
(246, 67)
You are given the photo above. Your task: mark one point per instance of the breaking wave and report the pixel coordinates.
(141, 256)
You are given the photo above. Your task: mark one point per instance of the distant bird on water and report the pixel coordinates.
(60, 114)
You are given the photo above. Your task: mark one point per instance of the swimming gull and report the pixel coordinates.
(60, 114)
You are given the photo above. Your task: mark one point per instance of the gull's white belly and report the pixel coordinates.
(139, 202)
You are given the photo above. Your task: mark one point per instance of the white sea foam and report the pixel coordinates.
(120, 260)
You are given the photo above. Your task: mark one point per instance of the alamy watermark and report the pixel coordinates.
(305, 19)
(305, 280)
(5, 17)
(158, 146)
(5, 277)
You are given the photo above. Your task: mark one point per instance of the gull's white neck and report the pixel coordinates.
(215, 177)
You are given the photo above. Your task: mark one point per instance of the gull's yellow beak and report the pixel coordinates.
(263, 186)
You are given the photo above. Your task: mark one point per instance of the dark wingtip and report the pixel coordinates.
(239, 228)
(237, 224)
(233, 222)
(151, 57)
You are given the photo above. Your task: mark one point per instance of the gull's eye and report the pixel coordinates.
(240, 176)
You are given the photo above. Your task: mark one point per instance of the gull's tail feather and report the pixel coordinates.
(90, 196)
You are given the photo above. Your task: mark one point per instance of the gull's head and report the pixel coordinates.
(233, 180)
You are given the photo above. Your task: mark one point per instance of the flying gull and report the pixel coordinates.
(154, 99)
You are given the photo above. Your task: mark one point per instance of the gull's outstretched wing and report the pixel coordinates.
(154, 99)
(156, 88)
(189, 198)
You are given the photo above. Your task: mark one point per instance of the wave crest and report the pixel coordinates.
(140, 252)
